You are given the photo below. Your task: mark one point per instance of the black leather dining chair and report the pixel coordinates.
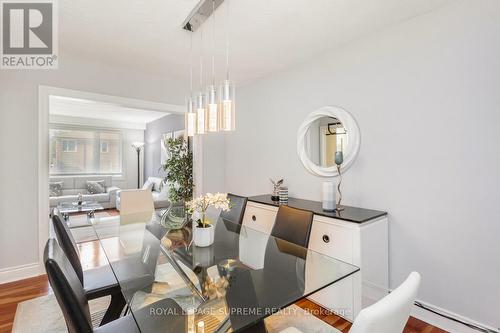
(238, 205)
(293, 225)
(97, 282)
(73, 301)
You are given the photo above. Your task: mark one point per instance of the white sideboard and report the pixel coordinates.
(356, 236)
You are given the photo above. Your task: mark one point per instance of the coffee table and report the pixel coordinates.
(71, 207)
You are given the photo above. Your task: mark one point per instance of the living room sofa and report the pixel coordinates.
(73, 185)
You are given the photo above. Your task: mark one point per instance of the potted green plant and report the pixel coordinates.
(179, 170)
(203, 229)
(179, 177)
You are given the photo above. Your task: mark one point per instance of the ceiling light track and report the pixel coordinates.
(200, 14)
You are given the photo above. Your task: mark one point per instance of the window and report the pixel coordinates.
(77, 151)
(104, 147)
(69, 146)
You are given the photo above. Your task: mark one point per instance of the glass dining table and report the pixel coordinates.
(234, 284)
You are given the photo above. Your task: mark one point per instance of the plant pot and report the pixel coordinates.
(203, 237)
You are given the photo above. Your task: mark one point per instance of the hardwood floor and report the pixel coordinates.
(414, 325)
(92, 255)
(16, 292)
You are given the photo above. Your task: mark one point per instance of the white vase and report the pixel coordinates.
(203, 237)
(328, 196)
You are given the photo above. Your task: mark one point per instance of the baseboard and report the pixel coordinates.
(445, 323)
(18, 273)
(373, 293)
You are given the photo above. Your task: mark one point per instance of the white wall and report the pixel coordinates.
(19, 141)
(153, 136)
(426, 95)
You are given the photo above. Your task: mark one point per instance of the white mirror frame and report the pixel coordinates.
(350, 152)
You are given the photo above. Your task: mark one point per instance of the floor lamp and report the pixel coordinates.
(138, 146)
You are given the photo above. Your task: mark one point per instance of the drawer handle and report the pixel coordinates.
(254, 218)
(326, 239)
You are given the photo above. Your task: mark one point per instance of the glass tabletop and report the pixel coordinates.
(73, 207)
(245, 276)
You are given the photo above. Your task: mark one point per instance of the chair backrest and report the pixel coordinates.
(136, 201)
(390, 314)
(293, 225)
(238, 205)
(67, 242)
(67, 288)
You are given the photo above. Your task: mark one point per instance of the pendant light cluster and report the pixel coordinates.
(214, 107)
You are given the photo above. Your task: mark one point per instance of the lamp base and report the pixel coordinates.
(339, 208)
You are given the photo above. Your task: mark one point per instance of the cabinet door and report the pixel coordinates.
(259, 217)
(333, 240)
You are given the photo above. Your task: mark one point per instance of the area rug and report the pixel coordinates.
(42, 314)
(294, 316)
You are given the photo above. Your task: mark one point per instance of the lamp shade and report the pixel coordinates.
(212, 121)
(190, 123)
(200, 114)
(227, 106)
(137, 145)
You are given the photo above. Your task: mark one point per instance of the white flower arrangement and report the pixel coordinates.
(201, 204)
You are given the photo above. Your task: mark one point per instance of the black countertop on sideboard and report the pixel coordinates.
(351, 214)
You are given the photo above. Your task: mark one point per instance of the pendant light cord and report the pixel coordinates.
(201, 59)
(213, 43)
(191, 64)
(227, 39)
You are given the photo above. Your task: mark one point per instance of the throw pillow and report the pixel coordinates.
(148, 185)
(96, 186)
(55, 189)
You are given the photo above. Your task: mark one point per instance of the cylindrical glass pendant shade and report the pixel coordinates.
(200, 114)
(227, 106)
(190, 118)
(212, 121)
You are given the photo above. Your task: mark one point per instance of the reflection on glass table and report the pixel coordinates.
(244, 277)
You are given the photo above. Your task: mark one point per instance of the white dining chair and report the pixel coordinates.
(136, 205)
(389, 315)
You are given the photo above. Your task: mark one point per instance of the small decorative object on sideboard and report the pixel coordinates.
(79, 200)
(283, 194)
(339, 159)
(203, 230)
(328, 196)
(276, 187)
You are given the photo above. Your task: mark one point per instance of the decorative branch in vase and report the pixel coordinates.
(339, 159)
(203, 230)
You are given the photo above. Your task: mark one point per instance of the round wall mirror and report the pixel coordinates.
(323, 133)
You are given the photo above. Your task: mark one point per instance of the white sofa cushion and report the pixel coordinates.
(157, 183)
(148, 185)
(95, 186)
(55, 188)
(81, 181)
(68, 182)
(101, 197)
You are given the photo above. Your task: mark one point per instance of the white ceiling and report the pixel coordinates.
(82, 108)
(265, 36)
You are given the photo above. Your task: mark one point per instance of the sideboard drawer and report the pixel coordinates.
(333, 240)
(259, 217)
